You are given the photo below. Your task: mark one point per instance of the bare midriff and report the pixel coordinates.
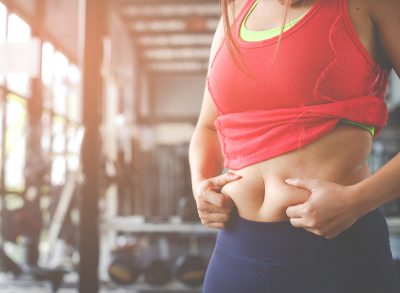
(341, 156)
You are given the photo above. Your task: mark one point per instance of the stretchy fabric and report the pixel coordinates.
(249, 35)
(275, 257)
(252, 36)
(322, 75)
(370, 128)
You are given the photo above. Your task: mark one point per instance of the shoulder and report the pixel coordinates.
(234, 7)
(377, 9)
(381, 10)
(386, 21)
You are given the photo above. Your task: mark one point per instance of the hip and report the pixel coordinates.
(265, 198)
(261, 194)
(280, 242)
(271, 257)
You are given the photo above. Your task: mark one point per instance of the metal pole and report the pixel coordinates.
(91, 28)
(34, 165)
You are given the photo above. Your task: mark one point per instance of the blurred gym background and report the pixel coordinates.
(98, 101)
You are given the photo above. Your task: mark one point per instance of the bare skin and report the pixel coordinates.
(261, 194)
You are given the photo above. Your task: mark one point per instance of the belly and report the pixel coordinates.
(340, 156)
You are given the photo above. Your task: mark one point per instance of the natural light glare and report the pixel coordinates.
(47, 63)
(60, 67)
(3, 20)
(59, 135)
(75, 136)
(18, 30)
(15, 142)
(73, 163)
(58, 170)
(74, 104)
(19, 83)
(46, 131)
(74, 74)
(60, 99)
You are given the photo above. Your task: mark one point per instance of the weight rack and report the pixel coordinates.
(138, 226)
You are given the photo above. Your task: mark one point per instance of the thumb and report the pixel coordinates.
(294, 211)
(309, 184)
(223, 179)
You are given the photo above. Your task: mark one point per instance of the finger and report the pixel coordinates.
(223, 179)
(217, 217)
(314, 231)
(294, 211)
(297, 222)
(218, 199)
(217, 225)
(206, 207)
(322, 234)
(332, 235)
(306, 183)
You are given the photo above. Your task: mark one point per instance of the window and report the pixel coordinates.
(3, 22)
(18, 31)
(15, 146)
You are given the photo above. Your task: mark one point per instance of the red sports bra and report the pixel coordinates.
(322, 74)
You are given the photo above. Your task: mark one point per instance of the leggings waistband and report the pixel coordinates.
(281, 243)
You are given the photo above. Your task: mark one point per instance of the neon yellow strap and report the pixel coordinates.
(249, 35)
(370, 128)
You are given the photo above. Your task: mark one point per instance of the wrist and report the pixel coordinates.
(195, 184)
(363, 199)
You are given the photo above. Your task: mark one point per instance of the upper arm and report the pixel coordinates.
(208, 112)
(385, 15)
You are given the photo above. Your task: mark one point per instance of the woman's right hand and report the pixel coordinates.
(214, 207)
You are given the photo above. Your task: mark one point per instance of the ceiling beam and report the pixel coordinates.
(172, 36)
(198, 24)
(181, 66)
(160, 2)
(170, 10)
(177, 53)
(175, 39)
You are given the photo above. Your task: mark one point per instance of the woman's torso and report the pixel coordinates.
(340, 156)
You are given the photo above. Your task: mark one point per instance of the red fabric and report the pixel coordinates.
(322, 74)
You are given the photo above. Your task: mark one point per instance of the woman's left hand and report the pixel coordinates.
(330, 209)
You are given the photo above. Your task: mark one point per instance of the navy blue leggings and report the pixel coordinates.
(275, 257)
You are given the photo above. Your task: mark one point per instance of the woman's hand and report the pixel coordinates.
(214, 207)
(330, 209)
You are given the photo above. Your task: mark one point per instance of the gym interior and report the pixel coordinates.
(98, 102)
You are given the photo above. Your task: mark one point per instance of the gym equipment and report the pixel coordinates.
(73, 180)
(54, 275)
(7, 264)
(190, 269)
(124, 270)
(157, 272)
(187, 209)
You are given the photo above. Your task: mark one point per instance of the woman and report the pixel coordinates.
(303, 103)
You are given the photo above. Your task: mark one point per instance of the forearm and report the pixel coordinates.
(205, 158)
(381, 187)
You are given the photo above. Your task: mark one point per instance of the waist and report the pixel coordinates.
(281, 243)
(340, 157)
(251, 136)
